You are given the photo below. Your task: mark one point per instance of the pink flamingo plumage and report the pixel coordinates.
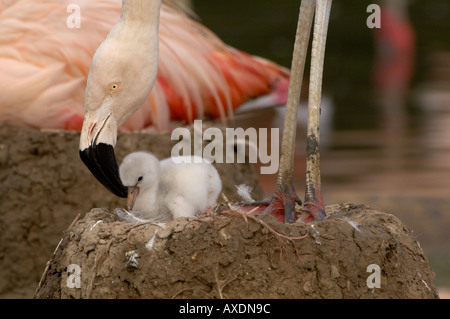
(45, 65)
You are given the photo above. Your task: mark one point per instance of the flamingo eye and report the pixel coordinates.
(140, 178)
(114, 87)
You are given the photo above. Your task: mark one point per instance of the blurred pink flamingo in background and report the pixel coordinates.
(44, 65)
(396, 45)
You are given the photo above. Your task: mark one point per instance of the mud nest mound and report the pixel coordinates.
(44, 186)
(228, 256)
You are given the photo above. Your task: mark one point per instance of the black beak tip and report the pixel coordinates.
(101, 161)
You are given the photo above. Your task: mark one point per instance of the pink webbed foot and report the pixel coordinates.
(282, 205)
(312, 212)
(313, 208)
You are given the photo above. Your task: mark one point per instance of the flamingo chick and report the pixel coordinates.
(171, 188)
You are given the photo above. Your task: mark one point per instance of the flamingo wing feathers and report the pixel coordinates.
(45, 64)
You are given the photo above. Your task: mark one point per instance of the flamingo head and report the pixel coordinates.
(121, 76)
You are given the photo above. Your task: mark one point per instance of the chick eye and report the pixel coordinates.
(140, 178)
(114, 87)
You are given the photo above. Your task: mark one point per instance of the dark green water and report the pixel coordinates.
(267, 28)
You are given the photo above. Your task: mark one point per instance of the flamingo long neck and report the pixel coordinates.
(137, 31)
(141, 11)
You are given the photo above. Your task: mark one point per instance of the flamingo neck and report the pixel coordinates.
(141, 11)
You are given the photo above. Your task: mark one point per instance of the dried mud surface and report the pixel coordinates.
(44, 186)
(225, 256)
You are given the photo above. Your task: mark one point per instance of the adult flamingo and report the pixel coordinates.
(208, 76)
(134, 38)
(45, 59)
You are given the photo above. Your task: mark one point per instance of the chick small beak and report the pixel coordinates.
(133, 192)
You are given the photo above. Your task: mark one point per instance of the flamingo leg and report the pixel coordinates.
(282, 204)
(314, 204)
(284, 198)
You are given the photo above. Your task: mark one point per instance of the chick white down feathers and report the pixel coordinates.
(170, 188)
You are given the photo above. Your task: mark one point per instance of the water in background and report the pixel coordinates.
(387, 148)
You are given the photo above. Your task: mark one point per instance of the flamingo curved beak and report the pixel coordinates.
(97, 141)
